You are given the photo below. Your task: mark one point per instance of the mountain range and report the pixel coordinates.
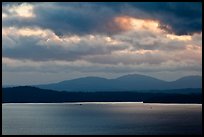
(124, 83)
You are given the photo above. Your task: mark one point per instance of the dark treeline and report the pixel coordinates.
(28, 94)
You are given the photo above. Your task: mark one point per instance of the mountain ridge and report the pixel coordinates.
(126, 82)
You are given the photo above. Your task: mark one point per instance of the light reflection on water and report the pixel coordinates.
(101, 118)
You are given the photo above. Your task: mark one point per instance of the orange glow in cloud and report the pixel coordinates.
(130, 23)
(23, 10)
(127, 23)
(182, 38)
(123, 23)
(31, 32)
(133, 52)
(111, 41)
(73, 39)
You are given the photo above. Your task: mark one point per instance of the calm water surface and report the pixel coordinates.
(101, 118)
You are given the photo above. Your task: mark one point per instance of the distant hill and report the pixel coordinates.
(27, 94)
(124, 83)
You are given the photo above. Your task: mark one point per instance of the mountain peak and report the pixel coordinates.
(133, 75)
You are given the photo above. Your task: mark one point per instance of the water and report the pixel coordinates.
(101, 118)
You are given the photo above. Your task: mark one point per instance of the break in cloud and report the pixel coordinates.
(50, 42)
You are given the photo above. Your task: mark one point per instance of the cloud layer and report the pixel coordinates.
(100, 39)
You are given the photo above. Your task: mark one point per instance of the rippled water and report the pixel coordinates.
(101, 118)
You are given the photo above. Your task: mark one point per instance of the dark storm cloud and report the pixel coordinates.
(182, 17)
(67, 18)
(75, 19)
(89, 18)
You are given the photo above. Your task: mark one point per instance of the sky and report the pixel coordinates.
(46, 42)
